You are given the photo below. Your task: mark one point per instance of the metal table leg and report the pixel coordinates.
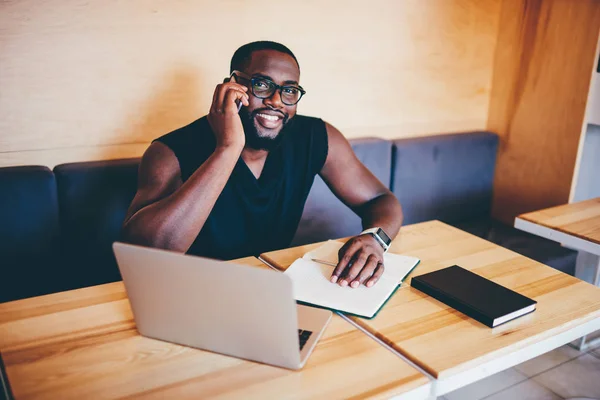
(584, 262)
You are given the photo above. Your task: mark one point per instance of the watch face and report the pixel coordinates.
(384, 236)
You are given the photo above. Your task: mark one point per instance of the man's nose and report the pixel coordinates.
(274, 101)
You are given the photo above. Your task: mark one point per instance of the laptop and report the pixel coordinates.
(218, 306)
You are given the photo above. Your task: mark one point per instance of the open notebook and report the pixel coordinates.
(312, 283)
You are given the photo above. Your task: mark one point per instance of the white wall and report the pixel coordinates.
(594, 110)
(588, 178)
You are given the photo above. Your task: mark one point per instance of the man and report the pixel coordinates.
(234, 183)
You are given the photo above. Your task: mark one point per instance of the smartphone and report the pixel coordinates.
(238, 102)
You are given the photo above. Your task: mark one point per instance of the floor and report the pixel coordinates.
(564, 373)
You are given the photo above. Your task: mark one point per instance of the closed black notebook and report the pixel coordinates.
(474, 295)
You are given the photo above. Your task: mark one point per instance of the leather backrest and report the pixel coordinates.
(93, 200)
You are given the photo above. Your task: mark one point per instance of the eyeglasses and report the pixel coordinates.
(264, 88)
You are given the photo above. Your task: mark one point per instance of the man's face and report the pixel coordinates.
(264, 119)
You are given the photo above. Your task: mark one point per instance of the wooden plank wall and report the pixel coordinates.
(84, 80)
(542, 71)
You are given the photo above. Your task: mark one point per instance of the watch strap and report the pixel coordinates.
(373, 231)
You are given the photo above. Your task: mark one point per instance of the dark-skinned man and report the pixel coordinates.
(234, 183)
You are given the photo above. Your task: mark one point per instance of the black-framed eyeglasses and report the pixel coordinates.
(264, 88)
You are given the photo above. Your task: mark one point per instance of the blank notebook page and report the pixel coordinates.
(312, 283)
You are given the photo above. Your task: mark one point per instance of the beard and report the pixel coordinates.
(254, 139)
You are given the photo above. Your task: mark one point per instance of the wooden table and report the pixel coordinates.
(83, 344)
(576, 225)
(458, 350)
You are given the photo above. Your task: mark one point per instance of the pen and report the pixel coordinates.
(323, 262)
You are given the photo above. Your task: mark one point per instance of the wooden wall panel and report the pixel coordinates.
(79, 74)
(543, 65)
(53, 157)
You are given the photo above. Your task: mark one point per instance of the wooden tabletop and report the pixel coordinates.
(581, 219)
(83, 344)
(445, 342)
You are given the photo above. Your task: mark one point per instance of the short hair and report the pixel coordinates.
(243, 54)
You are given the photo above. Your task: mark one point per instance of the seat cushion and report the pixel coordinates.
(94, 198)
(29, 233)
(326, 217)
(532, 246)
(445, 177)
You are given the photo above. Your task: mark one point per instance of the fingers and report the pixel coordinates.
(345, 256)
(221, 91)
(231, 98)
(366, 272)
(376, 275)
(225, 99)
(359, 261)
(215, 96)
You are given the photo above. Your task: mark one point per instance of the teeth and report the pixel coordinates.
(268, 117)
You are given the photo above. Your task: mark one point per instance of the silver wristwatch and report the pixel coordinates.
(379, 235)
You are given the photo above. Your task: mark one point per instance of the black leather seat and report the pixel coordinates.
(29, 233)
(450, 178)
(93, 199)
(57, 229)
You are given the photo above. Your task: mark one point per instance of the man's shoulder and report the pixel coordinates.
(194, 130)
(306, 120)
(310, 141)
(191, 144)
(305, 127)
(195, 138)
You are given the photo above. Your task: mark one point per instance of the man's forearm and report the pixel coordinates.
(384, 212)
(174, 222)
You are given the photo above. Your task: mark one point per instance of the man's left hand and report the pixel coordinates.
(360, 262)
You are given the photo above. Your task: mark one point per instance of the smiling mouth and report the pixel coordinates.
(269, 121)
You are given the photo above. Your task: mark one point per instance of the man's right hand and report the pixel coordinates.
(223, 115)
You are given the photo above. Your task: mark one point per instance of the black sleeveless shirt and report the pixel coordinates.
(253, 216)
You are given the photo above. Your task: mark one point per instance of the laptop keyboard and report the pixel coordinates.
(303, 336)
